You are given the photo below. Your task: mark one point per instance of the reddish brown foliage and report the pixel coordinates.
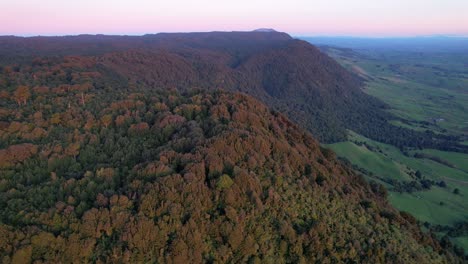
(16, 153)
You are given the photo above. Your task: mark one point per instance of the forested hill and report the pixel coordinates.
(17, 48)
(96, 173)
(287, 74)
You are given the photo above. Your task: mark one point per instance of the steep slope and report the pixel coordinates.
(93, 173)
(311, 88)
(285, 73)
(289, 75)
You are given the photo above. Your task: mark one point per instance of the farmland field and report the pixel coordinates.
(426, 90)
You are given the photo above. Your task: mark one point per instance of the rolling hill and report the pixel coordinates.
(160, 176)
(287, 74)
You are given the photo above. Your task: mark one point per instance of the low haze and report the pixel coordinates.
(297, 17)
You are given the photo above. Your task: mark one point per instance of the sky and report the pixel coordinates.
(378, 18)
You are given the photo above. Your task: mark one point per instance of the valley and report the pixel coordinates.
(426, 90)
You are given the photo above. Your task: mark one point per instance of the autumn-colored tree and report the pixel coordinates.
(4, 94)
(21, 95)
(139, 128)
(73, 149)
(106, 120)
(197, 177)
(120, 120)
(56, 119)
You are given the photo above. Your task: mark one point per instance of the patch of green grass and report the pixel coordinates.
(418, 87)
(437, 205)
(389, 162)
(460, 160)
(430, 92)
(412, 126)
(461, 241)
(374, 162)
(441, 107)
(429, 168)
(426, 206)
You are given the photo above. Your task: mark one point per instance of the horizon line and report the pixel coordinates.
(297, 35)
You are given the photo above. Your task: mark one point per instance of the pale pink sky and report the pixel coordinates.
(297, 17)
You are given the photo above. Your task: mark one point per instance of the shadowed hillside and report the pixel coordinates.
(289, 75)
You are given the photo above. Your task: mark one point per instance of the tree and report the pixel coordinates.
(55, 119)
(21, 94)
(73, 150)
(442, 184)
(224, 182)
(106, 120)
(418, 174)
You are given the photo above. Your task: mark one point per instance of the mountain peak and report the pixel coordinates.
(264, 30)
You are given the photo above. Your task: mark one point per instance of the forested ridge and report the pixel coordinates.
(98, 168)
(287, 74)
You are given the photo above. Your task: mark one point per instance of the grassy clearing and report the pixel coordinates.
(437, 205)
(413, 126)
(440, 107)
(376, 163)
(388, 161)
(419, 88)
(430, 92)
(429, 168)
(460, 160)
(426, 206)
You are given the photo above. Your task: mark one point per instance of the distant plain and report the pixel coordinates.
(425, 83)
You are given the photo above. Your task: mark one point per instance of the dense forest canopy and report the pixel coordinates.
(287, 74)
(98, 167)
